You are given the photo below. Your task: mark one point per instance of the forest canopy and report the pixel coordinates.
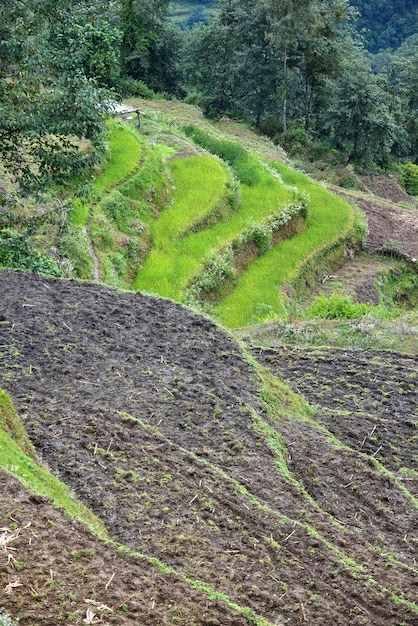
(386, 23)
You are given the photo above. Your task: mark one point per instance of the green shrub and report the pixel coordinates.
(343, 177)
(114, 204)
(336, 307)
(149, 177)
(76, 246)
(294, 139)
(261, 233)
(246, 172)
(196, 98)
(132, 87)
(127, 214)
(119, 263)
(399, 286)
(233, 192)
(102, 232)
(217, 269)
(17, 252)
(114, 269)
(409, 178)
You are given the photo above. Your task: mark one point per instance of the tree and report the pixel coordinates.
(304, 31)
(46, 109)
(261, 55)
(94, 48)
(197, 14)
(150, 45)
(359, 121)
(385, 23)
(232, 63)
(404, 79)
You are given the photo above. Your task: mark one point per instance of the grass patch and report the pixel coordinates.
(368, 332)
(200, 184)
(221, 270)
(17, 457)
(118, 225)
(125, 150)
(13, 427)
(169, 264)
(336, 307)
(233, 153)
(149, 176)
(172, 266)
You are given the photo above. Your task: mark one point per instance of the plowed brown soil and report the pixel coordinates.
(60, 574)
(154, 419)
(391, 214)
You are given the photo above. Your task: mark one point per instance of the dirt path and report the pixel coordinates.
(96, 263)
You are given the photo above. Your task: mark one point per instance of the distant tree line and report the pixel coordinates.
(385, 24)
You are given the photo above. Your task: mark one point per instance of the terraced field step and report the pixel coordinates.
(200, 186)
(264, 287)
(173, 263)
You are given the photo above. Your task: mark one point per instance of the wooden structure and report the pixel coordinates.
(123, 110)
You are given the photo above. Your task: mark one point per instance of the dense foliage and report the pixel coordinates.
(150, 44)
(49, 105)
(386, 23)
(297, 70)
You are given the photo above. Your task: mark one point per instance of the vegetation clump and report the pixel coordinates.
(262, 233)
(223, 266)
(409, 178)
(337, 307)
(17, 252)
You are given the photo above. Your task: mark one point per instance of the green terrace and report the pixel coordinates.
(186, 212)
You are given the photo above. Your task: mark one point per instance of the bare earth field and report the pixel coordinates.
(261, 509)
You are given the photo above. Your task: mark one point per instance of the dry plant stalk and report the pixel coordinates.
(8, 536)
(12, 585)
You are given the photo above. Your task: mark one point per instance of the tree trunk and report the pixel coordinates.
(284, 114)
(308, 108)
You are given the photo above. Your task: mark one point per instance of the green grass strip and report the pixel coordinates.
(200, 185)
(14, 449)
(124, 153)
(257, 202)
(257, 292)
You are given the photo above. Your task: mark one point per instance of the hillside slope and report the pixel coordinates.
(184, 449)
